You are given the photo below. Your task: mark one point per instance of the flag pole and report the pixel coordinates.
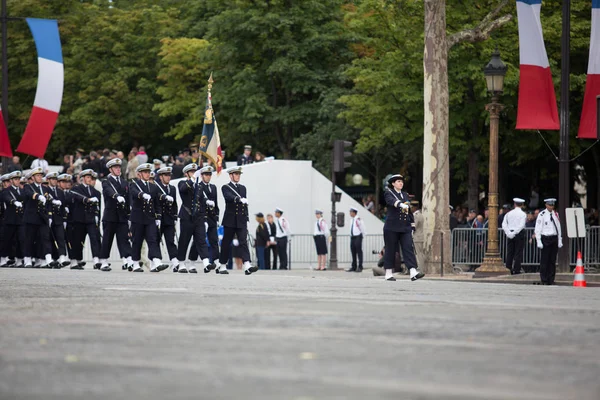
(563, 157)
(4, 20)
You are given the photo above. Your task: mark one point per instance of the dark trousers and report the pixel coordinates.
(39, 234)
(213, 243)
(395, 240)
(13, 239)
(168, 232)
(69, 240)
(192, 230)
(58, 240)
(242, 236)
(282, 252)
(121, 230)
(357, 252)
(80, 230)
(514, 252)
(149, 233)
(268, 251)
(548, 260)
(260, 257)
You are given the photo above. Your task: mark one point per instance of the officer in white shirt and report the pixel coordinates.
(282, 234)
(513, 226)
(549, 239)
(357, 230)
(40, 163)
(320, 236)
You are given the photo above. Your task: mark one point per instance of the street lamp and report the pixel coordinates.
(494, 73)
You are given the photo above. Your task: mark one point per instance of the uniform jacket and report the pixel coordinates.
(83, 211)
(113, 210)
(243, 159)
(34, 212)
(12, 214)
(59, 214)
(169, 210)
(69, 203)
(236, 213)
(397, 220)
(193, 205)
(212, 213)
(142, 211)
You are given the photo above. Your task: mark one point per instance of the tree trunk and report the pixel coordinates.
(436, 171)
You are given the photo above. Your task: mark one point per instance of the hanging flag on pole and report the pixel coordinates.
(537, 100)
(48, 96)
(5, 149)
(587, 125)
(210, 142)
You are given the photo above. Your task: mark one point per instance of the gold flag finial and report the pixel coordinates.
(210, 81)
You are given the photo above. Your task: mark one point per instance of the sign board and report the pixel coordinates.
(575, 222)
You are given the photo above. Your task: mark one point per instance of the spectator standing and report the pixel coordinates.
(530, 220)
(262, 238)
(15, 165)
(370, 204)
(78, 162)
(177, 171)
(141, 155)
(282, 235)
(245, 158)
(67, 163)
(258, 157)
(40, 163)
(272, 244)
(453, 219)
(121, 156)
(132, 165)
(320, 237)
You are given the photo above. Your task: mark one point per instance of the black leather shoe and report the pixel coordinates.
(55, 264)
(4, 266)
(209, 268)
(81, 264)
(193, 270)
(66, 264)
(97, 266)
(47, 266)
(353, 269)
(224, 272)
(106, 268)
(248, 272)
(391, 279)
(418, 276)
(77, 266)
(176, 269)
(359, 270)
(11, 262)
(137, 270)
(162, 267)
(124, 267)
(130, 268)
(253, 269)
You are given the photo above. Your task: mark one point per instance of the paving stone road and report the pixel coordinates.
(297, 335)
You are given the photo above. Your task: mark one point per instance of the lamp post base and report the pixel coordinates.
(492, 266)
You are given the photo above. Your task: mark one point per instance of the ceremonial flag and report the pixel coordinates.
(5, 149)
(537, 100)
(587, 125)
(48, 96)
(210, 142)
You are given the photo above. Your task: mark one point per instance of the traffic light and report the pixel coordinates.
(340, 219)
(340, 154)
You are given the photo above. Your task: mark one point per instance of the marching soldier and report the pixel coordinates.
(65, 181)
(146, 214)
(397, 230)
(86, 212)
(192, 219)
(13, 234)
(549, 239)
(37, 218)
(115, 220)
(58, 219)
(212, 211)
(235, 221)
(357, 231)
(282, 228)
(418, 237)
(513, 226)
(169, 214)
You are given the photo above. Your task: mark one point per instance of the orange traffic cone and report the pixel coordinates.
(579, 280)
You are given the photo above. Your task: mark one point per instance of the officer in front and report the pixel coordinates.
(169, 214)
(13, 233)
(549, 240)
(37, 219)
(513, 226)
(86, 211)
(212, 211)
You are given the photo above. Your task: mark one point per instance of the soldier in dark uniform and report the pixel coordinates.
(115, 220)
(37, 219)
(235, 221)
(57, 229)
(146, 214)
(13, 233)
(245, 158)
(86, 212)
(398, 229)
(169, 214)
(65, 181)
(212, 212)
(192, 219)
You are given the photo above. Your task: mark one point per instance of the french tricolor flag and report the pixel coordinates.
(587, 125)
(537, 100)
(5, 149)
(48, 96)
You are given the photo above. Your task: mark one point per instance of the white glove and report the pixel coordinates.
(157, 223)
(120, 199)
(540, 245)
(49, 221)
(93, 200)
(41, 199)
(147, 197)
(236, 242)
(197, 174)
(403, 206)
(64, 225)
(560, 244)
(243, 200)
(272, 239)
(96, 219)
(205, 226)
(18, 204)
(67, 210)
(129, 224)
(210, 203)
(57, 202)
(169, 198)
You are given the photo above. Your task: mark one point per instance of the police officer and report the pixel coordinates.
(146, 215)
(513, 226)
(169, 214)
(282, 228)
(320, 238)
(57, 230)
(212, 211)
(115, 220)
(192, 219)
(549, 239)
(13, 233)
(37, 219)
(235, 221)
(398, 228)
(86, 213)
(357, 232)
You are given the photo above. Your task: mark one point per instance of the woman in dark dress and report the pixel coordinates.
(398, 229)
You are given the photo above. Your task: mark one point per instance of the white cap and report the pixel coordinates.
(144, 167)
(4, 177)
(35, 171)
(113, 162)
(550, 200)
(207, 170)
(279, 210)
(317, 211)
(86, 172)
(234, 170)
(190, 167)
(164, 170)
(156, 161)
(15, 174)
(353, 209)
(518, 200)
(65, 177)
(52, 175)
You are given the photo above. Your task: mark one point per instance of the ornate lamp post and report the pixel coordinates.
(494, 76)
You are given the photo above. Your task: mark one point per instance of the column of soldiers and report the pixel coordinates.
(44, 220)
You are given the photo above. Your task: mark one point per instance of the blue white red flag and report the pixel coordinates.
(587, 125)
(210, 141)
